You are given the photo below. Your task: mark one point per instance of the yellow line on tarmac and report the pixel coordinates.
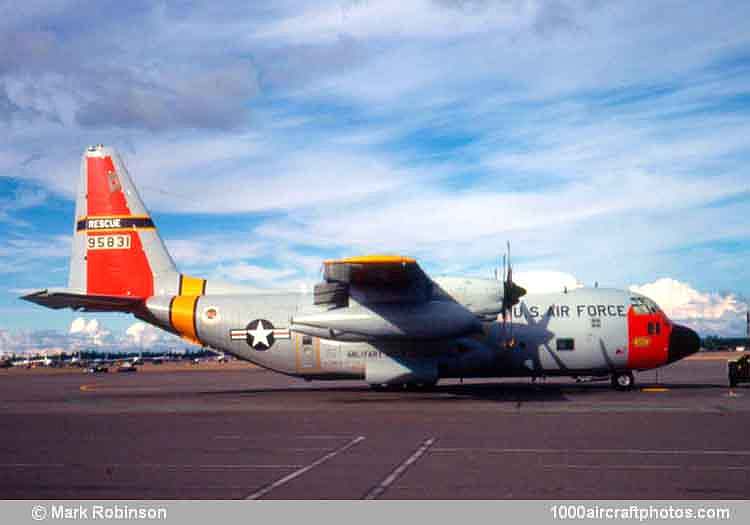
(653, 389)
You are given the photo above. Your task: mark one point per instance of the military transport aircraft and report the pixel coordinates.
(379, 317)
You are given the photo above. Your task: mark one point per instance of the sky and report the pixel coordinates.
(607, 141)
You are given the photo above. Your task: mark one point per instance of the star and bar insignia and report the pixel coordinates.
(259, 334)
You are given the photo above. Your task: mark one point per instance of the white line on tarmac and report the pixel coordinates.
(378, 490)
(297, 473)
(595, 451)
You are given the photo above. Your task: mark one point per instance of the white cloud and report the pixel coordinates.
(681, 301)
(423, 219)
(705, 311)
(36, 247)
(394, 19)
(212, 250)
(90, 331)
(251, 272)
(143, 335)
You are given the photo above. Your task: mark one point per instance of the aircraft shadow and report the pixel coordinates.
(505, 392)
(500, 392)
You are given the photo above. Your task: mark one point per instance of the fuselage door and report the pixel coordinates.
(307, 353)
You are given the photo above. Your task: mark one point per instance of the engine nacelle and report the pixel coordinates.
(430, 320)
(386, 370)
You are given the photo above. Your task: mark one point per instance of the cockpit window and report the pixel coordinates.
(643, 305)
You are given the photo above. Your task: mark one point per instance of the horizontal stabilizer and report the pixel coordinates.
(81, 302)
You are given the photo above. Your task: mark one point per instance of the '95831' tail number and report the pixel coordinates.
(108, 242)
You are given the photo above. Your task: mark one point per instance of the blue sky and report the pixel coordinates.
(605, 140)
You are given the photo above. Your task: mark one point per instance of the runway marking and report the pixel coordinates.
(379, 489)
(596, 451)
(297, 473)
(654, 389)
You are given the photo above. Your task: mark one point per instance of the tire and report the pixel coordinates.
(623, 381)
(384, 387)
(420, 387)
(733, 374)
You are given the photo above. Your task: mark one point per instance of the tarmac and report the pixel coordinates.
(236, 431)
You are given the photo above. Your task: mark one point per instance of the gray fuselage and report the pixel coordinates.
(591, 324)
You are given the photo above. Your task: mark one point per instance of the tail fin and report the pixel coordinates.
(117, 251)
(118, 258)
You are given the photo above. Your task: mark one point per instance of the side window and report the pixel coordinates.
(651, 329)
(658, 327)
(596, 323)
(565, 344)
(306, 340)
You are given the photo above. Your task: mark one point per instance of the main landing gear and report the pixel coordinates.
(623, 380)
(417, 387)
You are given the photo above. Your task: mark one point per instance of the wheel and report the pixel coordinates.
(623, 380)
(385, 387)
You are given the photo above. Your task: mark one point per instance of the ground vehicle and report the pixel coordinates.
(739, 371)
(97, 369)
(127, 367)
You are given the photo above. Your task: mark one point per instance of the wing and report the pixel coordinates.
(377, 279)
(383, 297)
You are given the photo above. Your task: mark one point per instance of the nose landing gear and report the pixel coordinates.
(623, 380)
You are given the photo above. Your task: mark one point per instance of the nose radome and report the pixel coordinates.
(682, 342)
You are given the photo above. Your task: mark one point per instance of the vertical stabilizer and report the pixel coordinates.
(117, 251)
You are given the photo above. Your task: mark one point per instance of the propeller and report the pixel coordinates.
(512, 292)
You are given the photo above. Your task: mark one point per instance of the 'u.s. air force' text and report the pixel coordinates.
(578, 310)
